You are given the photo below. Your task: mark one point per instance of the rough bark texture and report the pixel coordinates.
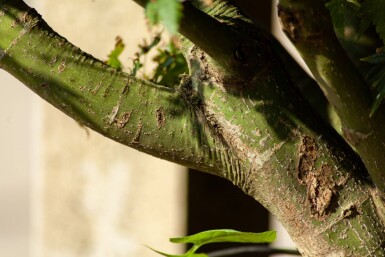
(343, 85)
(251, 128)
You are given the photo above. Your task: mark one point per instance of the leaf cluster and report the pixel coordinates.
(166, 12)
(169, 61)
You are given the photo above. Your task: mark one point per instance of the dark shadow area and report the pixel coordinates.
(261, 9)
(215, 203)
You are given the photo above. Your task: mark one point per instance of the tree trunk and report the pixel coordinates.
(236, 115)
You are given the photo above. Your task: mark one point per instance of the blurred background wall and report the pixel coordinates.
(66, 191)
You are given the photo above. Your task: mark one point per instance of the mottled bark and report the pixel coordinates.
(343, 84)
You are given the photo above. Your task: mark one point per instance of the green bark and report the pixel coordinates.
(342, 83)
(253, 130)
(147, 117)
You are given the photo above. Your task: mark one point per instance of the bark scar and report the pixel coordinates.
(307, 156)
(2, 54)
(355, 137)
(62, 66)
(320, 191)
(290, 22)
(295, 27)
(136, 138)
(320, 186)
(123, 119)
(160, 117)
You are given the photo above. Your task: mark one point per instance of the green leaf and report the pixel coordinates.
(375, 58)
(168, 12)
(342, 10)
(152, 13)
(374, 11)
(378, 83)
(337, 11)
(378, 101)
(376, 78)
(113, 57)
(219, 236)
(226, 235)
(170, 64)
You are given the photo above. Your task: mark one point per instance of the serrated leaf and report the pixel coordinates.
(374, 11)
(337, 11)
(168, 12)
(375, 74)
(113, 57)
(376, 78)
(226, 235)
(378, 82)
(340, 10)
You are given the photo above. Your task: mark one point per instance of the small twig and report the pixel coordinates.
(252, 249)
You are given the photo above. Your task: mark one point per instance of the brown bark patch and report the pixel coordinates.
(350, 212)
(291, 23)
(296, 26)
(125, 90)
(62, 66)
(160, 117)
(320, 191)
(136, 138)
(320, 185)
(354, 137)
(123, 119)
(307, 157)
(96, 88)
(24, 17)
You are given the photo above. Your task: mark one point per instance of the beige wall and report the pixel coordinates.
(100, 198)
(15, 166)
(89, 196)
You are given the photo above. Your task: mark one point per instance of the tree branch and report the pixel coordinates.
(341, 82)
(258, 133)
(144, 116)
(228, 48)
